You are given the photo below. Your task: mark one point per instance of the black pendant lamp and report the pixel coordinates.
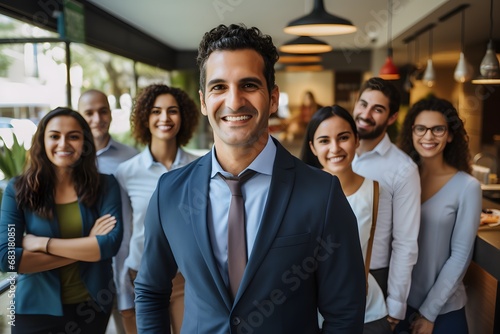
(319, 23)
(305, 44)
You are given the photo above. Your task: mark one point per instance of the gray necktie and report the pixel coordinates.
(236, 236)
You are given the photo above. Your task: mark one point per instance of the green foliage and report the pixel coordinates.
(12, 159)
(5, 63)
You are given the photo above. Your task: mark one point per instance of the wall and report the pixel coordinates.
(296, 83)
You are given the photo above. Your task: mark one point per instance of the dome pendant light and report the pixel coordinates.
(319, 23)
(429, 74)
(389, 71)
(305, 44)
(463, 71)
(490, 67)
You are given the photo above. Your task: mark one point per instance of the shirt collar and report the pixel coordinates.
(111, 144)
(148, 160)
(262, 164)
(382, 147)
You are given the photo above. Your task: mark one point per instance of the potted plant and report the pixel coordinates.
(11, 161)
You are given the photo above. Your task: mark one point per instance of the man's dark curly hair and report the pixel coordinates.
(386, 88)
(144, 102)
(238, 37)
(456, 153)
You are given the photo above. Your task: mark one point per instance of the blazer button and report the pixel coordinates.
(236, 321)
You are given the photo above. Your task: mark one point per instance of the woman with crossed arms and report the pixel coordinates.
(59, 228)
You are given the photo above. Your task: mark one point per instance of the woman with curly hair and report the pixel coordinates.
(434, 136)
(164, 119)
(60, 226)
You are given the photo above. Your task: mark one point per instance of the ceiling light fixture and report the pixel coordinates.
(408, 84)
(304, 68)
(389, 71)
(463, 71)
(305, 44)
(418, 72)
(429, 74)
(319, 23)
(294, 59)
(490, 67)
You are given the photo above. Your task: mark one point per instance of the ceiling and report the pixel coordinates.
(181, 24)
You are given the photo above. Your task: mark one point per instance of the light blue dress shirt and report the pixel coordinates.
(109, 157)
(255, 192)
(138, 178)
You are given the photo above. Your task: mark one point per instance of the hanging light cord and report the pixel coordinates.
(417, 51)
(491, 20)
(408, 52)
(463, 32)
(389, 25)
(430, 44)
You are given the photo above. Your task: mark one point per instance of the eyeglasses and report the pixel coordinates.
(437, 131)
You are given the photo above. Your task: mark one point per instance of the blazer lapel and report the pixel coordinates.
(198, 188)
(277, 202)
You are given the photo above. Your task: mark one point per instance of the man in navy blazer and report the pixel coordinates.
(301, 234)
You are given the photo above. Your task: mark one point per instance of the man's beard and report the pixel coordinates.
(375, 133)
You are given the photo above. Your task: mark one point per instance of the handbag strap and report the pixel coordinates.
(372, 231)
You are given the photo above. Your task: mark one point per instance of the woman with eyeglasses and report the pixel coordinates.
(434, 136)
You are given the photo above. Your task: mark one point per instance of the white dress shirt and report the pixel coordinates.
(254, 191)
(138, 178)
(395, 244)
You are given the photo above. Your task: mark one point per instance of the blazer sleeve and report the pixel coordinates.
(153, 285)
(124, 287)
(110, 202)
(12, 225)
(341, 275)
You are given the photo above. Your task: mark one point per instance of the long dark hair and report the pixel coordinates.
(456, 153)
(319, 117)
(35, 187)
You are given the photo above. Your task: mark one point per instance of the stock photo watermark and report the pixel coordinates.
(292, 279)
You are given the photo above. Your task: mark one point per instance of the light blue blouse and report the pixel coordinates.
(448, 228)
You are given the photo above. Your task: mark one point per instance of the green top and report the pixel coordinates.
(70, 225)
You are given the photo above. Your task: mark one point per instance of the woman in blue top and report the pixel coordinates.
(434, 136)
(59, 228)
